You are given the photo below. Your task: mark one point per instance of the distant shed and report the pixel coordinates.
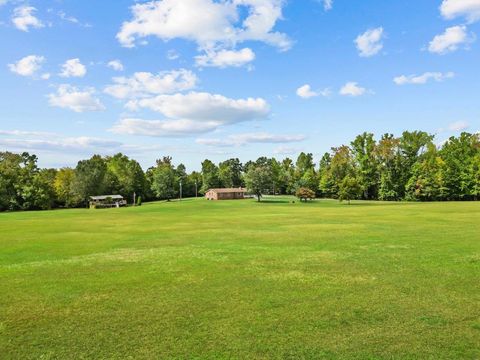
(226, 194)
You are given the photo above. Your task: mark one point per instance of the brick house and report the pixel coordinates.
(225, 194)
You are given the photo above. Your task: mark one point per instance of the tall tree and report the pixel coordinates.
(90, 176)
(210, 178)
(63, 185)
(230, 173)
(427, 182)
(125, 176)
(364, 151)
(389, 166)
(257, 180)
(164, 179)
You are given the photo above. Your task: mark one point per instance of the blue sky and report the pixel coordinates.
(198, 79)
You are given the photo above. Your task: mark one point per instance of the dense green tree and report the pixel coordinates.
(341, 165)
(17, 174)
(90, 178)
(230, 173)
(210, 176)
(258, 180)
(125, 176)
(458, 154)
(364, 153)
(389, 167)
(428, 178)
(412, 146)
(350, 189)
(63, 185)
(164, 179)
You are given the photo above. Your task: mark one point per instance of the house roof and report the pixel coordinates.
(104, 197)
(228, 190)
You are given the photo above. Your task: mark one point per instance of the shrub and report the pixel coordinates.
(139, 201)
(305, 194)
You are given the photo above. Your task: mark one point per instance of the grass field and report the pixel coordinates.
(239, 279)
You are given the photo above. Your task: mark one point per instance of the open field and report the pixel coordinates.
(238, 279)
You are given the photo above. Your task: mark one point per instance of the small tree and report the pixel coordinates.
(305, 194)
(257, 179)
(139, 201)
(349, 189)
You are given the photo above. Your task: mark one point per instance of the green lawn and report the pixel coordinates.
(239, 279)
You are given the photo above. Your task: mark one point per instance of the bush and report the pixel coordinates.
(305, 194)
(139, 201)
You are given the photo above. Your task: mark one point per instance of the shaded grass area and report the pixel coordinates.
(240, 279)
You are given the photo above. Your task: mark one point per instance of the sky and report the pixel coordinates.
(197, 79)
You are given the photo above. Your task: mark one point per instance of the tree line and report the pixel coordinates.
(409, 167)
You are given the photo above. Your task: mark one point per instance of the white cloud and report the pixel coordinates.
(225, 58)
(28, 66)
(450, 40)
(370, 42)
(116, 65)
(23, 18)
(73, 68)
(423, 79)
(165, 128)
(205, 107)
(306, 92)
(191, 113)
(458, 126)
(72, 19)
(172, 54)
(352, 89)
(327, 4)
(211, 24)
(251, 138)
(70, 97)
(285, 150)
(143, 84)
(469, 9)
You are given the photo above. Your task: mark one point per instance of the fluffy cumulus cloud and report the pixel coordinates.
(116, 65)
(423, 79)
(225, 58)
(451, 40)
(191, 113)
(73, 68)
(72, 98)
(251, 138)
(352, 89)
(144, 84)
(201, 106)
(28, 66)
(470, 9)
(370, 42)
(24, 18)
(306, 92)
(213, 25)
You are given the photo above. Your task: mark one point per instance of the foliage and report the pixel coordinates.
(164, 179)
(409, 167)
(350, 189)
(305, 194)
(257, 180)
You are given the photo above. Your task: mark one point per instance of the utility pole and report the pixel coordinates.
(180, 190)
(134, 198)
(196, 189)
